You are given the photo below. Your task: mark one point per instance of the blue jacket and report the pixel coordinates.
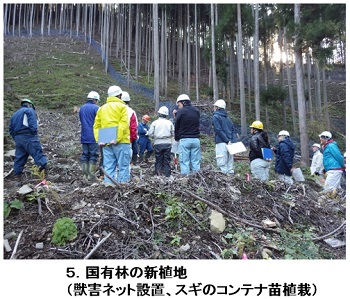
(23, 121)
(223, 127)
(87, 115)
(332, 157)
(142, 129)
(284, 157)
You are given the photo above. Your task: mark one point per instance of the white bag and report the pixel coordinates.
(235, 148)
(298, 175)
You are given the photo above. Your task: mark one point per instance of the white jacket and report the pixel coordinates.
(317, 163)
(162, 130)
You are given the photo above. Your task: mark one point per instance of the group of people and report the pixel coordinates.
(134, 140)
(131, 140)
(330, 164)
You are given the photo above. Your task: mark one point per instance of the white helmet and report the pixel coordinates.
(182, 97)
(220, 104)
(163, 110)
(326, 134)
(283, 133)
(114, 91)
(316, 145)
(93, 95)
(125, 96)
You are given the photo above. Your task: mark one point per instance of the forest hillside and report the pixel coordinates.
(151, 217)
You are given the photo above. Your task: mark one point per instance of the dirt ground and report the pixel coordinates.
(134, 218)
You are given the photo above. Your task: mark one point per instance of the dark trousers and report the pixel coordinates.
(90, 152)
(163, 157)
(28, 145)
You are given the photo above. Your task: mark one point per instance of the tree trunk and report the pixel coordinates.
(137, 42)
(249, 72)
(50, 20)
(318, 91)
(20, 19)
(197, 51)
(129, 44)
(311, 108)
(156, 56)
(256, 62)
(290, 87)
(241, 72)
(304, 141)
(232, 71)
(179, 51)
(188, 87)
(31, 21)
(325, 99)
(14, 19)
(213, 62)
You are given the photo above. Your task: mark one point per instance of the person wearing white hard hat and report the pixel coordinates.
(116, 153)
(89, 156)
(162, 132)
(316, 167)
(187, 133)
(333, 162)
(224, 134)
(284, 157)
(23, 129)
(133, 127)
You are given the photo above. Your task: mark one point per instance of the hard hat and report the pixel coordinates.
(114, 91)
(146, 118)
(257, 125)
(316, 145)
(325, 134)
(93, 95)
(28, 101)
(283, 133)
(182, 97)
(163, 110)
(125, 96)
(220, 104)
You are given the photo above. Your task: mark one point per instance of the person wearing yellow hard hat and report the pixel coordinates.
(259, 166)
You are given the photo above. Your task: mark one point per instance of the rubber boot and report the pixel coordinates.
(148, 155)
(140, 158)
(91, 172)
(134, 159)
(17, 180)
(85, 169)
